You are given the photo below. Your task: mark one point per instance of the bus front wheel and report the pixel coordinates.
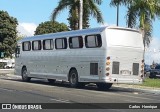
(104, 86)
(25, 77)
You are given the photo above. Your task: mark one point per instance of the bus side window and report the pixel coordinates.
(26, 46)
(76, 42)
(61, 43)
(17, 51)
(36, 45)
(93, 41)
(48, 44)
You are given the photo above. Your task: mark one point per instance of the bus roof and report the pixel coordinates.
(73, 33)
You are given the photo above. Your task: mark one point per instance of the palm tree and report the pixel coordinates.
(143, 10)
(90, 8)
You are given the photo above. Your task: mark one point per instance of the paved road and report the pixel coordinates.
(13, 90)
(6, 71)
(41, 88)
(39, 91)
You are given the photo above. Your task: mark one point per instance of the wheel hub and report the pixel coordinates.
(73, 78)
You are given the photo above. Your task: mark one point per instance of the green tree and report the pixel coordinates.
(90, 9)
(20, 36)
(50, 27)
(8, 33)
(142, 12)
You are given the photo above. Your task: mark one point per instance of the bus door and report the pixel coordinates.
(17, 52)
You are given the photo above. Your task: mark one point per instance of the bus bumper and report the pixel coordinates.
(123, 80)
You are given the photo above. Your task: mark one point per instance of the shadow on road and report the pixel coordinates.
(63, 84)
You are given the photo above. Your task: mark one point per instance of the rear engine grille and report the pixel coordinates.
(93, 68)
(135, 68)
(115, 68)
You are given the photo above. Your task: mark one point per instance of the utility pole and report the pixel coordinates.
(81, 14)
(117, 14)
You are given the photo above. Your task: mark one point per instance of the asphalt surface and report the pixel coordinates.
(13, 90)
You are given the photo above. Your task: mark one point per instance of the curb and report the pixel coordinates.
(135, 88)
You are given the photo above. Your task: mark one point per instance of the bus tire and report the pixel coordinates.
(51, 81)
(73, 78)
(25, 77)
(104, 86)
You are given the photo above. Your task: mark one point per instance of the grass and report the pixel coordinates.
(151, 83)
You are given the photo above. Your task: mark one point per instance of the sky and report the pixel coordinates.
(30, 13)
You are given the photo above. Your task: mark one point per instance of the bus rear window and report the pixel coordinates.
(26, 46)
(124, 38)
(93, 41)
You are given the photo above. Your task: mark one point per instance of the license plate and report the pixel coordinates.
(125, 72)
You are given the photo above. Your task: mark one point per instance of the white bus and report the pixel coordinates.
(103, 56)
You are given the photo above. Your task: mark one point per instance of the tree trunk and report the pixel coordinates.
(81, 14)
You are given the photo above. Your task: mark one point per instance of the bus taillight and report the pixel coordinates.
(107, 74)
(108, 63)
(108, 58)
(108, 66)
(142, 66)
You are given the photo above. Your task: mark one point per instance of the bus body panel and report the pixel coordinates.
(56, 64)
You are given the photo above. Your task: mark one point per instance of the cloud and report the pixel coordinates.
(26, 29)
(153, 52)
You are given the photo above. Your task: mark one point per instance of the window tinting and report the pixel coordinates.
(61, 43)
(26, 46)
(93, 41)
(36, 45)
(48, 44)
(76, 42)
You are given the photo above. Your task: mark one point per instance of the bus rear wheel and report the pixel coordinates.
(73, 79)
(104, 86)
(25, 77)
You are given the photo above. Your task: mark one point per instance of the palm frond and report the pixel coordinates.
(157, 8)
(131, 17)
(61, 6)
(120, 2)
(99, 2)
(95, 11)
